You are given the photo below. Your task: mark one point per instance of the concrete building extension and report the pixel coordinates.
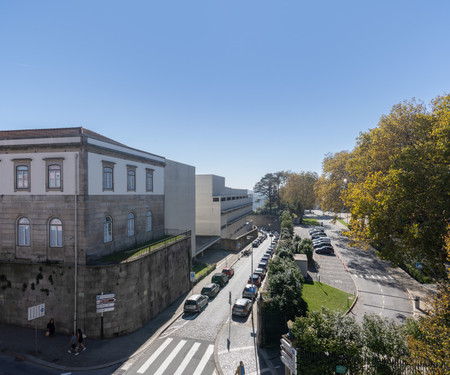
(68, 198)
(221, 212)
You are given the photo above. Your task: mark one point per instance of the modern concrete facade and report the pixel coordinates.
(221, 211)
(179, 203)
(69, 197)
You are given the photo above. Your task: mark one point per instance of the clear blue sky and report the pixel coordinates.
(234, 88)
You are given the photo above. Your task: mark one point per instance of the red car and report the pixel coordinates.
(256, 280)
(228, 271)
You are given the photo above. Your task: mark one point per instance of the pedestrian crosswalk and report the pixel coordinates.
(175, 356)
(373, 277)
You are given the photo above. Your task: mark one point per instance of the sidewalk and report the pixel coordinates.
(52, 351)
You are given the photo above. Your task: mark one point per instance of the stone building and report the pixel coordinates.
(70, 196)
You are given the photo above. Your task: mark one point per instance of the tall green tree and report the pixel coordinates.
(399, 184)
(333, 181)
(269, 187)
(298, 194)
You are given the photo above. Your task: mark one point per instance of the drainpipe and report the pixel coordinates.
(76, 245)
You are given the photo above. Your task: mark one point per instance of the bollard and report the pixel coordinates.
(417, 302)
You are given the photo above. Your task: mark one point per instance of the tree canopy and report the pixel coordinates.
(396, 184)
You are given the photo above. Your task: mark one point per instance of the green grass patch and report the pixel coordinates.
(343, 222)
(136, 253)
(202, 270)
(309, 221)
(318, 295)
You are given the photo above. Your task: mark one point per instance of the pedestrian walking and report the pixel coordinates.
(80, 339)
(50, 328)
(73, 344)
(240, 369)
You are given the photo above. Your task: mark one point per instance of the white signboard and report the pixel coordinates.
(289, 356)
(36, 311)
(192, 276)
(105, 302)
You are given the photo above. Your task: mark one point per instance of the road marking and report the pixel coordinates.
(149, 361)
(204, 360)
(187, 358)
(170, 358)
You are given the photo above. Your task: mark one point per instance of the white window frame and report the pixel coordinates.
(130, 224)
(107, 229)
(55, 232)
(23, 232)
(148, 221)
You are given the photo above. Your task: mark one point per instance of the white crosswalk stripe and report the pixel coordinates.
(366, 276)
(187, 359)
(163, 360)
(155, 355)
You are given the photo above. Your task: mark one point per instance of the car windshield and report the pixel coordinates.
(190, 302)
(205, 290)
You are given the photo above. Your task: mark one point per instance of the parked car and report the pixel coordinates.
(261, 272)
(256, 280)
(265, 257)
(262, 264)
(246, 293)
(210, 290)
(326, 249)
(220, 278)
(242, 307)
(318, 235)
(195, 303)
(229, 271)
(316, 229)
(321, 241)
(255, 244)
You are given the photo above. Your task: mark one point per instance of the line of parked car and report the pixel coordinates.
(243, 306)
(321, 243)
(198, 302)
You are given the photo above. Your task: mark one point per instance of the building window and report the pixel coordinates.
(108, 178)
(131, 178)
(149, 179)
(55, 234)
(54, 176)
(22, 180)
(22, 174)
(23, 232)
(130, 225)
(107, 229)
(148, 221)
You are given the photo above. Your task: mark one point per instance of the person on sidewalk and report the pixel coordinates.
(240, 369)
(50, 328)
(73, 344)
(80, 339)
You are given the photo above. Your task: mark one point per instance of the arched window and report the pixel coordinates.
(130, 224)
(23, 232)
(148, 221)
(107, 229)
(55, 233)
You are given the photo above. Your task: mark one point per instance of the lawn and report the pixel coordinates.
(318, 295)
(309, 221)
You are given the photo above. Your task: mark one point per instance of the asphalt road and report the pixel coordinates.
(379, 292)
(187, 346)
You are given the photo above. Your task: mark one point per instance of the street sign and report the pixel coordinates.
(419, 265)
(36, 311)
(192, 276)
(252, 290)
(289, 355)
(105, 302)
